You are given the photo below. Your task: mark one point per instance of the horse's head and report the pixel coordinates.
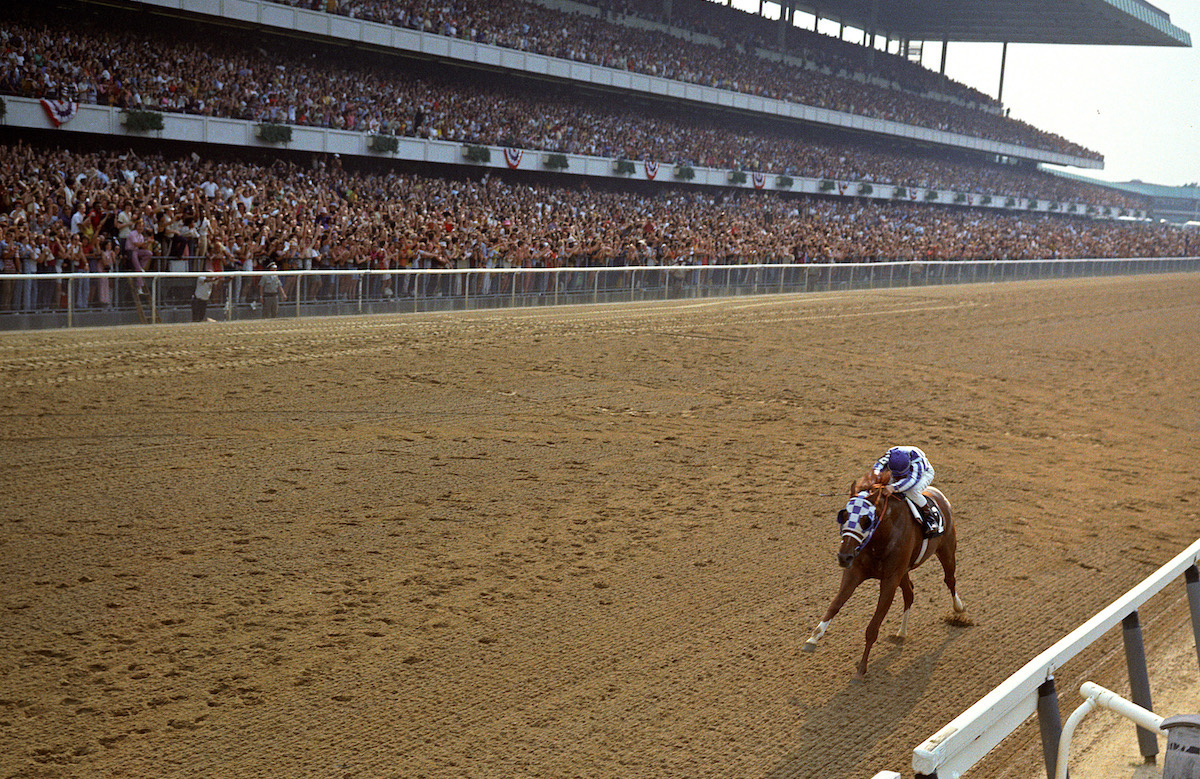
(861, 516)
(857, 523)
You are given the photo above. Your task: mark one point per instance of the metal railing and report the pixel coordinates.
(959, 745)
(51, 300)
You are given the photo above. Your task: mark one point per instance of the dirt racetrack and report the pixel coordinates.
(571, 542)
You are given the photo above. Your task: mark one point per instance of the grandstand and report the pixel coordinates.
(166, 113)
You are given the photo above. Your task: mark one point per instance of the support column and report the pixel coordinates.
(1049, 723)
(784, 15)
(1192, 577)
(874, 26)
(1139, 680)
(1003, 64)
(945, 45)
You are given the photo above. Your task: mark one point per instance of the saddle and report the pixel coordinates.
(932, 523)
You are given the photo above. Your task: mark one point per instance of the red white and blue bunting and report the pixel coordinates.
(651, 169)
(60, 111)
(513, 156)
(842, 185)
(759, 179)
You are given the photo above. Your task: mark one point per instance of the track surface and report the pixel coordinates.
(571, 542)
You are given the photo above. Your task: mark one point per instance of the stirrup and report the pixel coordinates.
(933, 524)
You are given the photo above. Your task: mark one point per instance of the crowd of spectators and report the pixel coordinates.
(730, 65)
(132, 69)
(63, 210)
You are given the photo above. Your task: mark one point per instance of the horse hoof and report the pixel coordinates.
(858, 677)
(809, 647)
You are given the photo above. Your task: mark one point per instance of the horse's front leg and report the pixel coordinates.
(850, 581)
(887, 592)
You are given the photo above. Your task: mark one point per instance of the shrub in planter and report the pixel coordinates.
(931, 194)
(899, 192)
(737, 177)
(1032, 204)
(387, 144)
(684, 172)
(960, 198)
(136, 121)
(477, 154)
(556, 161)
(275, 133)
(825, 186)
(623, 167)
(1012, 201)
(785, 182)
(3, 108)
(865, 189)
(987, 200)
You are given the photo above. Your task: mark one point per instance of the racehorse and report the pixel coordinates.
(881, 539)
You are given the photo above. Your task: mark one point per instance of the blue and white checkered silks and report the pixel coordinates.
(919, 476)
(860, 521)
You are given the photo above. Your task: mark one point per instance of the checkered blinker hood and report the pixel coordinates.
(859, 522)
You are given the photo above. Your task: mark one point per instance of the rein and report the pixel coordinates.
(878, 493)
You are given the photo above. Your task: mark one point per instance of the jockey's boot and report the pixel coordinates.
(932, 524)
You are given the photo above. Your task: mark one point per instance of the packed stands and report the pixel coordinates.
(139, 67)
(75, 211)
(531, 27)
(73, 206)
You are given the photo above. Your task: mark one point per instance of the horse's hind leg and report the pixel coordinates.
(906, 589)
(945, 554)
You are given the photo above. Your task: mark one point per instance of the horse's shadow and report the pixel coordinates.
(862, 714)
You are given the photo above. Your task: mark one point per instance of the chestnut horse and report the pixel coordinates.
(881, 539)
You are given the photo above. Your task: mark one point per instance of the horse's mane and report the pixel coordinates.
(870, 481)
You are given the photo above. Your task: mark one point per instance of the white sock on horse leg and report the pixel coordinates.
(820, 631)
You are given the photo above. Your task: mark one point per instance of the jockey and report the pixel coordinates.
(911, 474)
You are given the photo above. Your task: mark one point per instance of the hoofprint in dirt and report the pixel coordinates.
(540, 543)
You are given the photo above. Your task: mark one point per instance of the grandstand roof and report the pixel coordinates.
(1103, 22)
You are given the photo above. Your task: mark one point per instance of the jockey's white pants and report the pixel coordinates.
(914, 494)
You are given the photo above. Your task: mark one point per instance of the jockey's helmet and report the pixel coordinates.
(898, 462)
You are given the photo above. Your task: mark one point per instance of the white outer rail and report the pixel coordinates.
(972, 734)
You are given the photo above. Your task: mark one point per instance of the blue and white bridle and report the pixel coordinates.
(860, 522)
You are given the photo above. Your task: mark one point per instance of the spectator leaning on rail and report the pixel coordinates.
(270, 292)
(911, 473)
